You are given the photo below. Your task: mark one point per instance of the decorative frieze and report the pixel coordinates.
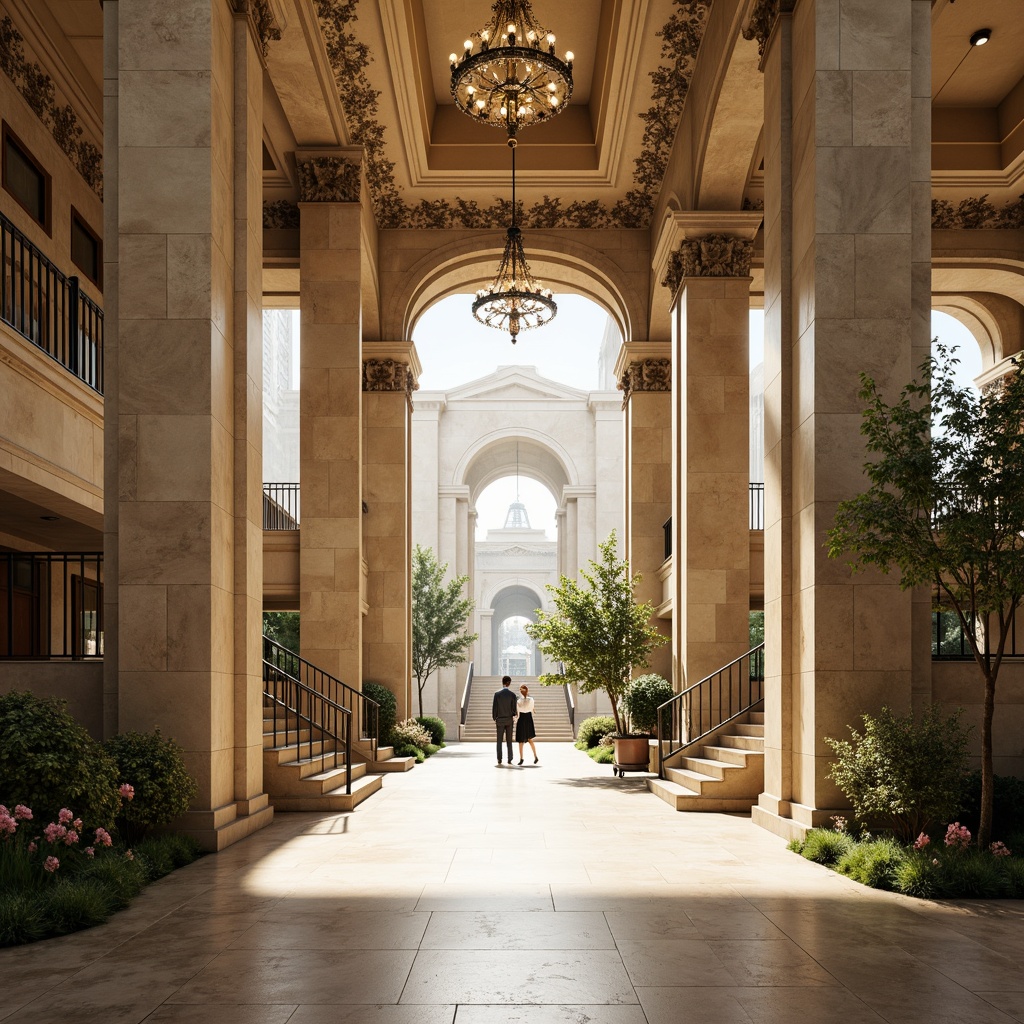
(711, 256)
(280, 214)
(646, 375)
(329, 179)
(388, 375)
(977, 212)
(262, 20)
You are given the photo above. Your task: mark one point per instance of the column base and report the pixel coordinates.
(225, 825)
(792, 820)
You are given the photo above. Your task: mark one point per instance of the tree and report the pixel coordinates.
(946, 508)
(439, 613)
(283, 628)
(598, 632)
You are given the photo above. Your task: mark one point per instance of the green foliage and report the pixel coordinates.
(1014, 870)
(973, 874)
(916, 875)
(49, 761)
(826, 846)
(75, 903)
(905, 774)
(598, 631)
(411, 732)
(756, 629)
(387, 713)
(122, 879)
(602, 755)
(1007, 805)
(435, 727)
(409, 750)
(20, 918)
(283, 628)
(439, 616)
(641, 701)
(872, 863)
(155, 768)
(591, 730)
(944, 507)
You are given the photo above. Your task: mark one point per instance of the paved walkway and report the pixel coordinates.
(554, 895)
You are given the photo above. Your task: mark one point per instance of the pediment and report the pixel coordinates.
(515, 384)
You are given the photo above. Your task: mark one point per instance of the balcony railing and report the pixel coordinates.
(48, 308)
(280, 506)
(950, 644)
(51, 605)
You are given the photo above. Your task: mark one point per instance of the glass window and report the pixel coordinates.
(85, 248)
(24, 179)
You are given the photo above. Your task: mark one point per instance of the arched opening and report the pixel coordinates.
(513, 652)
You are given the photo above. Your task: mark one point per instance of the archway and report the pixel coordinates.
(512, 650)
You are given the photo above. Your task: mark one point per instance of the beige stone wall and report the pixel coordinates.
(80, 683)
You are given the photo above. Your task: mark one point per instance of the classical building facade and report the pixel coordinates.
(170, 169)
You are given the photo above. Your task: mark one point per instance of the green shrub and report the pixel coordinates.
(1013, 871)
(155, 768)
(905, 774)
(49, 761)
(75, 903)
(410, 750)
(430, 749)
(388, 713)
(1007, 806)
(972, 874)
(410, 731)
(917, 876)
(20, 920)
(826, 846)
(592, 729)
(795, 846)
(874, 863)
(602, 755)
(435, 727)
(641, 701)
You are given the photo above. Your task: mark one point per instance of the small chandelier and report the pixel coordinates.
(514, 301)
(514, 79)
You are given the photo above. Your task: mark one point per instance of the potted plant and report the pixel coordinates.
(600, 634)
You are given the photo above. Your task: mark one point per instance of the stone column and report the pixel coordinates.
(485, 665)
(709, 273)
(453, 519)
(184, 91)
(644, 372)
(330, 412)
(847, 290)
(389, 379)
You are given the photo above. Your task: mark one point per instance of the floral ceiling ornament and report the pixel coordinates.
(37, 87)
(329, 179)
(711, 256)
(977, 212)
(646, 375)
(389, 375)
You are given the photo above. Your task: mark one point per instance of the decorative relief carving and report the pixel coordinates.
(753, 204)
(761, 23)
(38, 89)
(977, 212)
(712, 256)
(328, 179)
(262, 19)
(646, 375)
(388, 375)
(280, 214)
(681, 37)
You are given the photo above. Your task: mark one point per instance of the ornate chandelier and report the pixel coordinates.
(514, 301)
(514, 79)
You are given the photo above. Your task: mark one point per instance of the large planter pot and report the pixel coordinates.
(632, 752)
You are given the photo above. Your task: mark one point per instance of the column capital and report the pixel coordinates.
(762, 20)
(680, 227)
(643, 366)
(711, 256)
(330, 175)
(391, 366)
(262, 22)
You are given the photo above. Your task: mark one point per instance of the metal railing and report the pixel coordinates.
(949, 643)
(709, 704)
(51, 605)
(315, 724)
(570, 706)
(465, 695)
(364, 709)
(756, 505)
(48, 308)
(280, 506)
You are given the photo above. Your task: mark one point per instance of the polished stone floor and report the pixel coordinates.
(552, 895)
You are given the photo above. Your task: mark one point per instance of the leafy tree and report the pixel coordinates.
(283, 628)
(946, 508)
(598, 632)
(439, 614)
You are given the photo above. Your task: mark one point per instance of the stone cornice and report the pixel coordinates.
(328, 178)
(711, 256)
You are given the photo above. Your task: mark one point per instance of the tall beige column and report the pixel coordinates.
(847, 289)
(330, 412)
(644, 372)
(389, 379)
(711, 425)
(184, 88)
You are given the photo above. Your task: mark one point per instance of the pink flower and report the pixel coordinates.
(51, 864)
(71, 838)
(77, 823)
(935, 861)
(32, 847)
(128, 855)
(54, 833)
(127, 791)
(998, 849)
(839, 823)
(103, 837)
(23, 813)
(65, 816)
(89, 851)
(958, 835)
(8, 826)
(921, 841)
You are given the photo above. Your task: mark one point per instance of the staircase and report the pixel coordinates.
(726, 774)
(550, 715)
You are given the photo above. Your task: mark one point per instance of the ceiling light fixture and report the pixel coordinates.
(514, 301)
(981, 37)
(514, 79)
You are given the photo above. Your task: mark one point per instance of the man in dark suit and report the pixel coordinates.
(503, 711)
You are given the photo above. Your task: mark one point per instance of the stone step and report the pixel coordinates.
(681, 798)
(756, 717)
(331, 800)
(751, 729)
(743, 742)
(731, 755)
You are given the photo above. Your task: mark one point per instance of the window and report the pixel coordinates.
(25, 179)
(86, 249)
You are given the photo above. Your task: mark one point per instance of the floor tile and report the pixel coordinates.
(514, 931)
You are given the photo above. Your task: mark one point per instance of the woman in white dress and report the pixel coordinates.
(525, 730)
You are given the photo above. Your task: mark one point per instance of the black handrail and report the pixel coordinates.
(299, 709)
(465, 694)
(757, 505)
(570, 706)
(280, 506)
(330, 688)
(718, 698)
(48, 308)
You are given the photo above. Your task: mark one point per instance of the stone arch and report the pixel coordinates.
(514, 598)
(492, 456)
(996, 322)
(559, 260)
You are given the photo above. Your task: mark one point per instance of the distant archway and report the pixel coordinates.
(513, 606)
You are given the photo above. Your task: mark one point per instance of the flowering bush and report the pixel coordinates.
(410, 731)
(998, 849)
(958, 836)
(921, 841)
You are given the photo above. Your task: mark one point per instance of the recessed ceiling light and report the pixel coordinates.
(981, 37)
(49, 519)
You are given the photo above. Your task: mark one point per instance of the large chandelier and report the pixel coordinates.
(514, 79)
(514, 301)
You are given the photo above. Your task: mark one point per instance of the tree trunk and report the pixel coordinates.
(419, 694)
(987, 783)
